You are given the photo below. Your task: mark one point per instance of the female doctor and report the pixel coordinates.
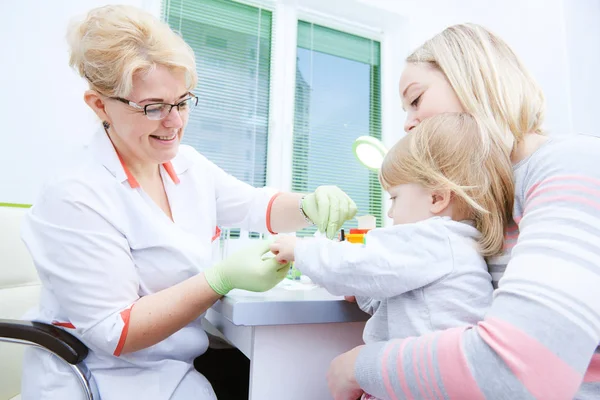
(123, 242)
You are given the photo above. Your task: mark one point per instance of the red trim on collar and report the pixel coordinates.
(130, 178)
(168, 166)
(171, 171)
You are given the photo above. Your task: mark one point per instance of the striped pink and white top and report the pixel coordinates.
(539, 339)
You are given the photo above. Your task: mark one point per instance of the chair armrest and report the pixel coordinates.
(53, 339)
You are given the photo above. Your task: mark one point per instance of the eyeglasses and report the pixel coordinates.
(158, 111)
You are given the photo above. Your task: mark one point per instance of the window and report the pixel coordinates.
(336, 97)
(337, 100)
(232, 44)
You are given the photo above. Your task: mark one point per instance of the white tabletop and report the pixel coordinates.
(290, 302)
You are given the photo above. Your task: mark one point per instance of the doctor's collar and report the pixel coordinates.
(112, 161)
(135, 184)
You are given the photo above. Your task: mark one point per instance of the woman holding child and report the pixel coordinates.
(539, 338)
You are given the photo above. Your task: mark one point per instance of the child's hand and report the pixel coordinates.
(283, 248)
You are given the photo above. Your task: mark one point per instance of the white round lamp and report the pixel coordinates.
(369, 151)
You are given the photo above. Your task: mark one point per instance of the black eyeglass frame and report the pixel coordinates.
(145, 107)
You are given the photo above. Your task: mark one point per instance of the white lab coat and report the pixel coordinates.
(99, 244)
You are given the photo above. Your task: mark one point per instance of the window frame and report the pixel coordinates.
(360, 18)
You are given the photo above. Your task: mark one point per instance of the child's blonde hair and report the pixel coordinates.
(454, 152)
(112, 43)
(488, 78)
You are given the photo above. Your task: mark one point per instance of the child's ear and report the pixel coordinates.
(440, 200)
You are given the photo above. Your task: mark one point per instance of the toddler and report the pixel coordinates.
(451, 186)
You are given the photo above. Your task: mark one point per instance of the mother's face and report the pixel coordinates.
(425, 92)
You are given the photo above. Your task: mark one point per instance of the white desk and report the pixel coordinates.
(290, 337)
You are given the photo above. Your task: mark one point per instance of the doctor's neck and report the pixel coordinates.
(142, 171)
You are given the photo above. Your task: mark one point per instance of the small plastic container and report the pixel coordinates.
(355, 238)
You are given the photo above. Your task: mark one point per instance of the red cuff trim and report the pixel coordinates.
(217, 234)
(269, 207)
(63, 324)
(125, 316)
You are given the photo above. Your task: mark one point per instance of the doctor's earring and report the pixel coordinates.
(106, 124)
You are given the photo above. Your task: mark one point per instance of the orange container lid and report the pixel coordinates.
(359, 231)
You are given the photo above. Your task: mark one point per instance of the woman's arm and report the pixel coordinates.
(285, 215)
(86, 262)
(157, 316)
(544, 324)
(327, 207)
(264, 210)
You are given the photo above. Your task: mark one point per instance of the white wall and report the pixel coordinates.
(582, 23)
(534, 28)
(42, 111)
(44, 117)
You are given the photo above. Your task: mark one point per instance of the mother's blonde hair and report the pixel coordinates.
(113, 43)
(488, 78)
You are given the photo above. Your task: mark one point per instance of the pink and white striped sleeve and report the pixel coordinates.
(538, 341)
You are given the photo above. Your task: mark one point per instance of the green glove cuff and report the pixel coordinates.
(216, 281)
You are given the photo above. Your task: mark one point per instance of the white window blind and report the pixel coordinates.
(337, 100)
(232, 44)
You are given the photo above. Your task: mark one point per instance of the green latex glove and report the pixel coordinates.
(328, 208)
(246, 269)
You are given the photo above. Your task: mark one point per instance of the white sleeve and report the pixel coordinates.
(394, 260)
(85, 262)
(239, 205)
(367, 304)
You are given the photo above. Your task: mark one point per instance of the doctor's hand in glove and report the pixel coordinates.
(328, 208)
(247, 269)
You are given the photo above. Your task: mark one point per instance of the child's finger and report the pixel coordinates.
(274, 248)
(280, 259)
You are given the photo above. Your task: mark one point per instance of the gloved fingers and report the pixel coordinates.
(352, 209)
(283, 268)
(344, 212)
(347, 205)
(334, 217)
(269, 266)
(268, 255)
(275, 272)
(323, 201)
(282, 273)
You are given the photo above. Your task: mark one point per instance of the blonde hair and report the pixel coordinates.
(113, 43)
(488, 78)
(453, 151)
